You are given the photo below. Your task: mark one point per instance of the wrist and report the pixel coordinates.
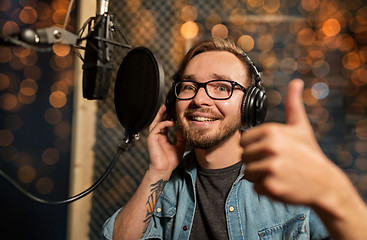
(340, 201)
(157, 174)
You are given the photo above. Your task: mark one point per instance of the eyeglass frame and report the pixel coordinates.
(204, 84)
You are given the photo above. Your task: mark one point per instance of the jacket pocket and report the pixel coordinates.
(161, 226)
(293, 229)
(165, 208)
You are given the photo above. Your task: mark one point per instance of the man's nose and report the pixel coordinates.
(202, 98)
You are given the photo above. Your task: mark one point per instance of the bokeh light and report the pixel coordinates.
(189, 30)
(8, 101)
(310, 5)
(220, 31)
(45, 185)
(6, 137)
(238, 16)
(50, 156)
(331, 27)
(28, 15)
(28, 87)
(53, 116)
(359, 76)
(58, 99)
(306, 36)
(5, 54)
(246, 42)
(189, 13)
(62, 129)
(320, 90)
(44, 11)
(10, 28)
(133, 5)
(4, 81)
(361, 129)
(288, 65)
(271, 6)
(5, 5)
(26, 173)
(61, 50)
(212, 20)
(351, 60)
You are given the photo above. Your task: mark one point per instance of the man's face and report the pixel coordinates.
(206, 122)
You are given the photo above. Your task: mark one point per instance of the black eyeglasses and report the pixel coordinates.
(216, 89)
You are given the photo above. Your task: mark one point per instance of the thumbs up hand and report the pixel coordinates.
(285, 162)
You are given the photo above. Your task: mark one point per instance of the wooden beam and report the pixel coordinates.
(83, 140)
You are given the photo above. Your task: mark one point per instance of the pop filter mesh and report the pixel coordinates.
(138, 89)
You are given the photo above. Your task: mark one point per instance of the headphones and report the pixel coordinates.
(254, 102)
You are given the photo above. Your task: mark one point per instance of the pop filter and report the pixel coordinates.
(138, 89)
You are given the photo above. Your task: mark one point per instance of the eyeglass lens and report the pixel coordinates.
(214, 89)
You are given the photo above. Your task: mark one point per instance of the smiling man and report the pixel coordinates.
(205, 195)
(211, 115)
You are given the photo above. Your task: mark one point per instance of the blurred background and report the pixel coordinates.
(324, 42)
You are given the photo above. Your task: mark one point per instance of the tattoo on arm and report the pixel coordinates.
(155, 192)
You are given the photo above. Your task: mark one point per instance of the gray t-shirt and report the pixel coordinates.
(212, 188)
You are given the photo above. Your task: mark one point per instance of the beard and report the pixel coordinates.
(201, 138)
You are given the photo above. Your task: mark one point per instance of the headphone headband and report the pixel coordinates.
(256, 73)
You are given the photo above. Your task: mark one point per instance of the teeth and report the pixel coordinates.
(203, 119)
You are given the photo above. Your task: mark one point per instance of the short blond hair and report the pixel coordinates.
(216, 44)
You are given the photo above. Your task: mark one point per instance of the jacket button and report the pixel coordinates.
(159, 210)
(231, 209)
(185, 228)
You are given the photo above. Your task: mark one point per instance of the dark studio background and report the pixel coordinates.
(36, 99)
(323, 42)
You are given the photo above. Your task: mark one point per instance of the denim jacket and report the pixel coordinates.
(248, 215)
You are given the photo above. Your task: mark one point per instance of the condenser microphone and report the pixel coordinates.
(97, 63)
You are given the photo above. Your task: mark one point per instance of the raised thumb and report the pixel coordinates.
(294, 107)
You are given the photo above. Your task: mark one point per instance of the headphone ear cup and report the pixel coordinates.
(254, 107)
(171, 104)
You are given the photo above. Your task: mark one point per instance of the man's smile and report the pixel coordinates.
(202, 119)
(202, 115)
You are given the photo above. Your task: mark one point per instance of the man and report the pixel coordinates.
(205, 194)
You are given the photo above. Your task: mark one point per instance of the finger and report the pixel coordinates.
(273, 189)
(251, 136)
(254, 152)
(161, 127)
(294, 107)
(262, 189)
(260, 132)
(255, 172)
